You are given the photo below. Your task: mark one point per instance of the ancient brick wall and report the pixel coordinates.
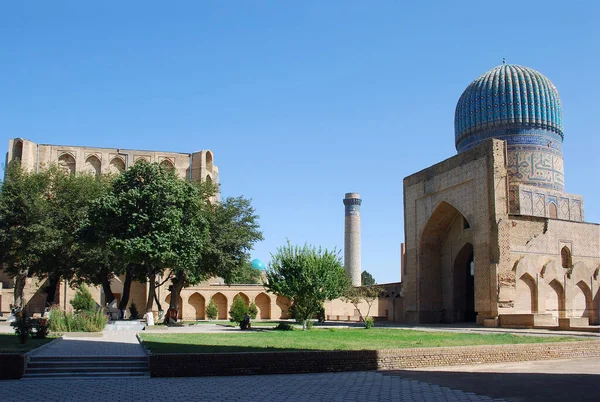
(188, 365)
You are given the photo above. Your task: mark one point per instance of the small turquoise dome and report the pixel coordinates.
(506, 101)
(258, 264)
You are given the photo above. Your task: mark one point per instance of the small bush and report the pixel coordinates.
(134, 314)
(22, 325)
(253, 311)
(212, 311)
(284, 326)
(369, 322)
(238, 310)
(83, 300)
(57, 319)
(85, 321)
(40, 328)
(309, 324)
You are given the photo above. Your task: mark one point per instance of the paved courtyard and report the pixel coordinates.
(558, 380)
(349, 386)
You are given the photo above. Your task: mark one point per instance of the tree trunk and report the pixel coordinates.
(19, 287)
(126, 289)
(151, 288)
(157, 302)
(108, 294)
(178, 283)
(51, 287)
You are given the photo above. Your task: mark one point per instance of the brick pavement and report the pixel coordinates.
(348, 386)
(111, 343)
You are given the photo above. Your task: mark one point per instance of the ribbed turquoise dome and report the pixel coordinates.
(509, 100)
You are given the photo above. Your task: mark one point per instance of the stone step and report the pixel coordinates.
(68, 364)
(53, 370)
(80, 369)
(78, 375)
(86, 367)
(134, 325)
(95, 359)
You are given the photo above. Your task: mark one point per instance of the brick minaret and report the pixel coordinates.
(352, 203)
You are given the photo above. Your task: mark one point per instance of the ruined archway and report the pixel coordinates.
(464, 286)
(93, 165)
(437, 260)
(209, 161)
(67, 163)
(17, 150)
(221, 302)
(167, 164)
(198, 306)
(582, 300)
(555, 299)
(526, 299)
(116, 166)
(263, 302)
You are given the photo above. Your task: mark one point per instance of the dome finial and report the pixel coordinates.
(504, 60)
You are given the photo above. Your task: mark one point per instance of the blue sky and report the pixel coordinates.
(301, 101)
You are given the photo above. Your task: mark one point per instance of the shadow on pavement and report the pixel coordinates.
(527, 387)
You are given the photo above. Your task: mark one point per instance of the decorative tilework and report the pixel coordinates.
(526, 203)
(522, 107)
(539, 205)
(535, 201)
(563, 208)
(508, 96)
(576, 214)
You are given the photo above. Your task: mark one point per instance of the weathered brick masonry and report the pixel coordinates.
(12, 366)
(190, 365)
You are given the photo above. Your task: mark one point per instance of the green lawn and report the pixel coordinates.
(9, 343)
(326, 339)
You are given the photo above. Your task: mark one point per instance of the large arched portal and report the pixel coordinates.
(464, 285)
(446, 270)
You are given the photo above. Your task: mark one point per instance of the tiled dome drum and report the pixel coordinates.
(522, 107)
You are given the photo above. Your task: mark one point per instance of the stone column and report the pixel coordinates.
(352, 264)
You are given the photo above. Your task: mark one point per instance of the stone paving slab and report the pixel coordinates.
(349, 386)
(111, 343)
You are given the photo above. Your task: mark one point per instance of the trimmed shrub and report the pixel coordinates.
(83, 300)
(369, 322)
(253, 311)
(238, 310)
(284, 326)
(212, 311)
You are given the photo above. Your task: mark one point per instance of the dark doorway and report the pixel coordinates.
(464, 285)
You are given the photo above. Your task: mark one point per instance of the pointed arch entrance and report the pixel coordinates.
(446, 282)
(196, 301)
(464, 285)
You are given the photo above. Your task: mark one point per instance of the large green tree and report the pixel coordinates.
(141, 219)
(308, 276)
(246, 274)
(231, 230)
(23, 223)
(366, 279)
(69, 197)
